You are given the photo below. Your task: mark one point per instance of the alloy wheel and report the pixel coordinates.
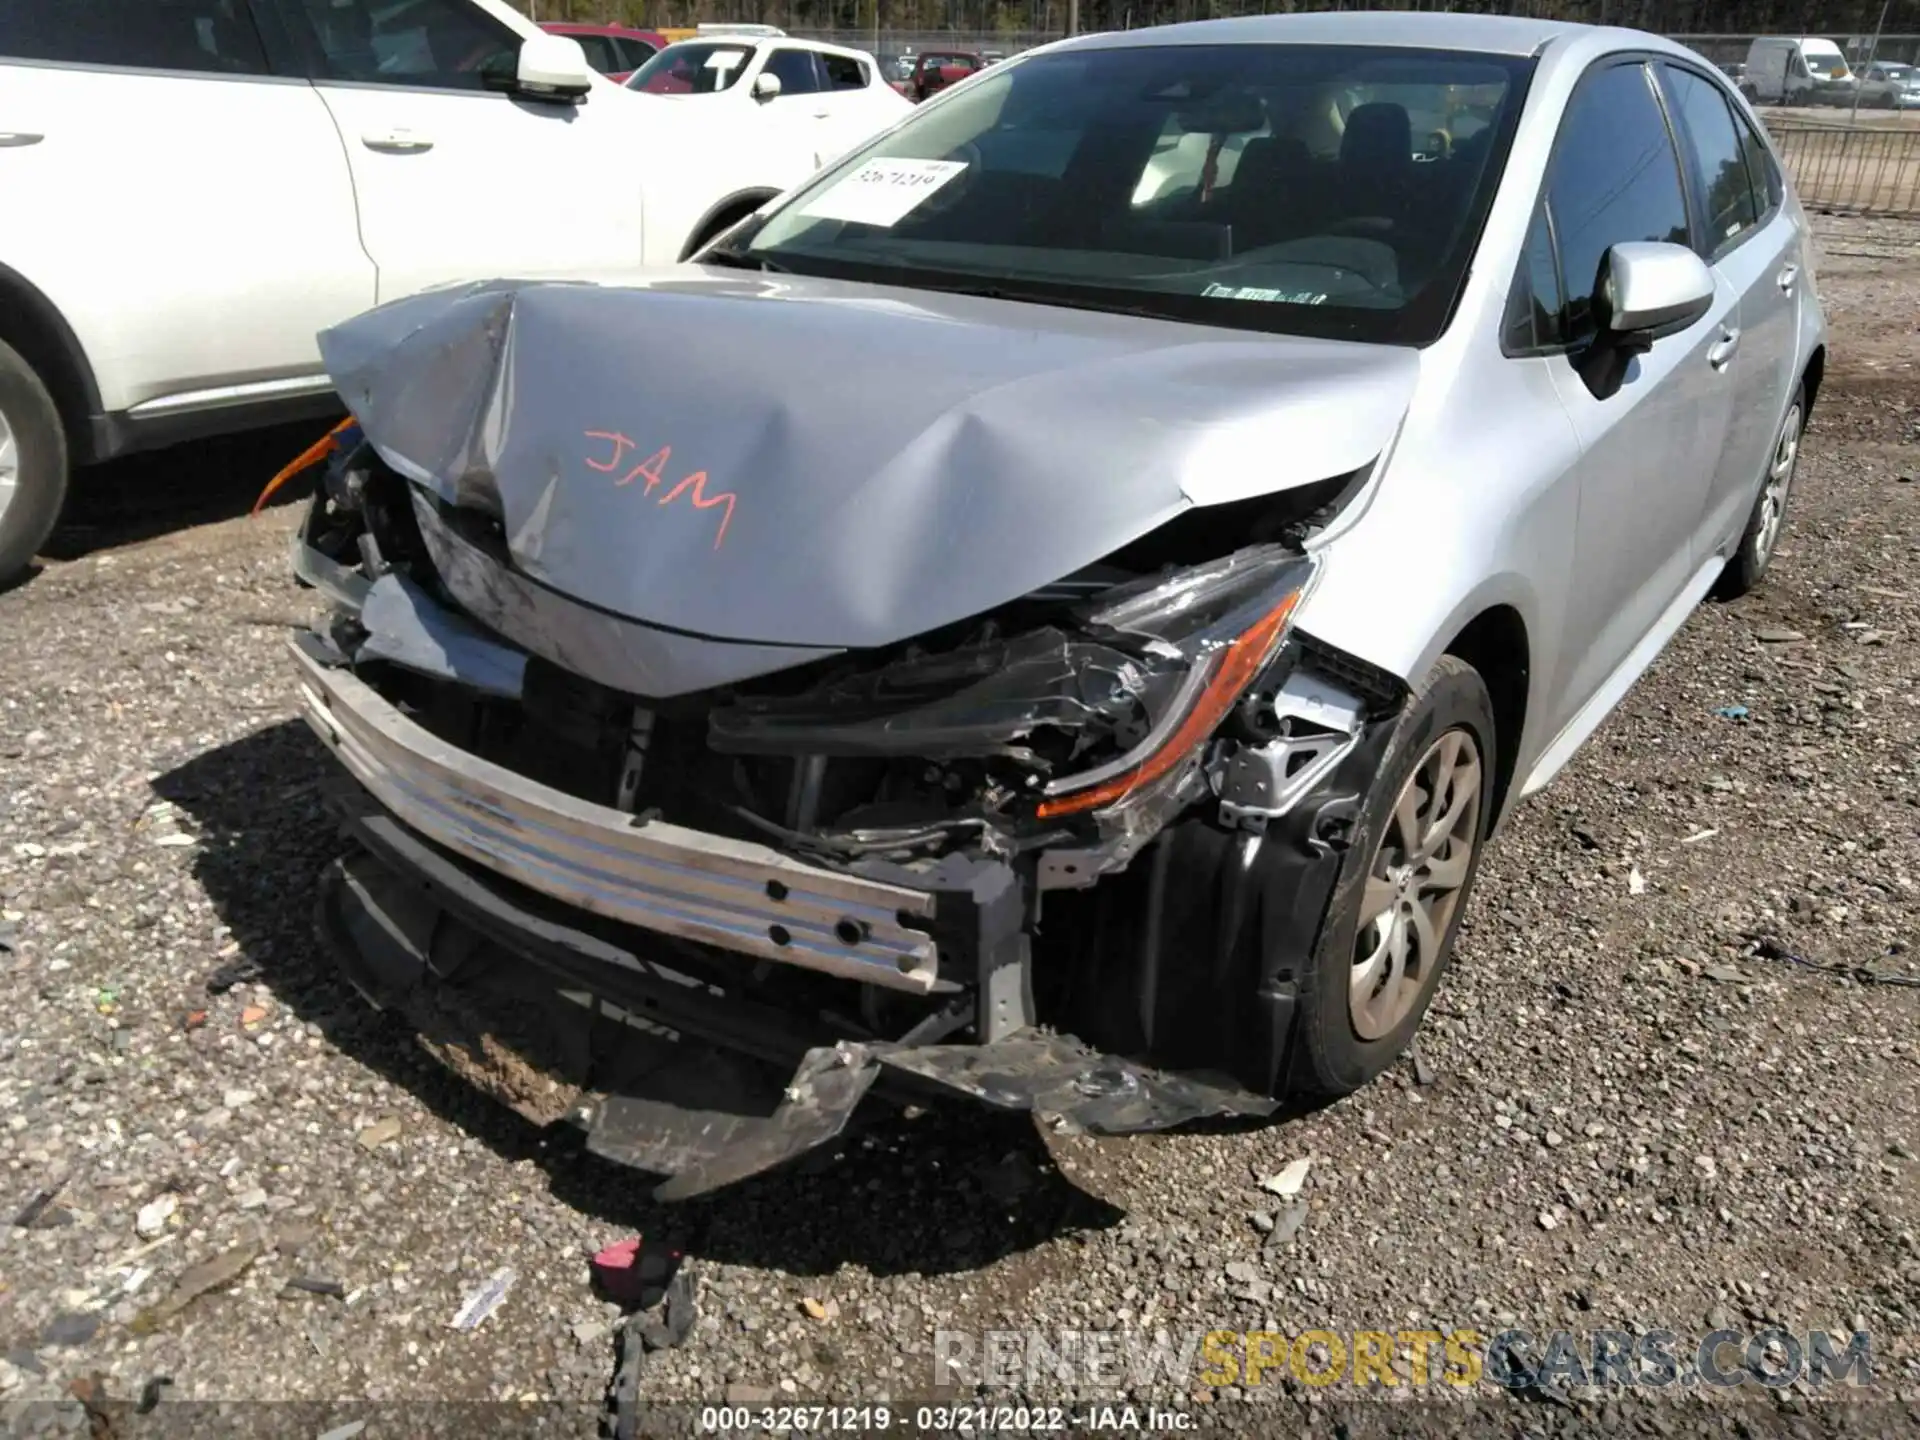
(9, 465)
(1414, 884)
(1773, 495)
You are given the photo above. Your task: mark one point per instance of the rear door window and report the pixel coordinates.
(1727, 201)
(633, 53)
(601, 53)
(1764, 172)
(843, 72)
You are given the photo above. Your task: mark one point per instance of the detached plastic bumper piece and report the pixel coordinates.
(563, 1025)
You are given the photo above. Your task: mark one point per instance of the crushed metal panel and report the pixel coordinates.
(624, 654)
(815, 1107)
(407, 627)
(1073, 1087)
(869, 439)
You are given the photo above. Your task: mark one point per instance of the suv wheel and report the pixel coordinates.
(33, 464)
(1390, 927)
(1769, 512)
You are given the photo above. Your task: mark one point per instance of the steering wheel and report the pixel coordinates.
(1367, 227)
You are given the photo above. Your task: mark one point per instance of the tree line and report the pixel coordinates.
(1836, 18)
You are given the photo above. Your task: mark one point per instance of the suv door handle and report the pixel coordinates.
(1723, 348)
(15, 139)
(397, 142)
(1788, 274)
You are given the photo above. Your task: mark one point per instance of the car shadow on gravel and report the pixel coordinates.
(140, 497)
(950, 1189)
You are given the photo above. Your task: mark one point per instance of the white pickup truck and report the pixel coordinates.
(194, 188)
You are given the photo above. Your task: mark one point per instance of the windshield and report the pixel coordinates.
(1896, 72)
(1304, 189)
(693, 67)
(1828, 67)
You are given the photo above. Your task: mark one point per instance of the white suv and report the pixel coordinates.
(194, 188)
(780, 85)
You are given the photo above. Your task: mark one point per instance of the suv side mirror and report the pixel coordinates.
(552, 67)
(765, 86)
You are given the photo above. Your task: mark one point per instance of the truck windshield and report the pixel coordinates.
(1310, 189)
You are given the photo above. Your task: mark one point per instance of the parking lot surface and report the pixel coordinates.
(1673, 1080)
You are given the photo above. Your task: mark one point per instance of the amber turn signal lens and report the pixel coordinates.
(1233, 671)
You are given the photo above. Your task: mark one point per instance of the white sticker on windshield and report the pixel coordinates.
(882, 192)
(724, 59)
(1260, 292)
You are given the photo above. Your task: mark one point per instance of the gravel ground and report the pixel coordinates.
(1625, 1114)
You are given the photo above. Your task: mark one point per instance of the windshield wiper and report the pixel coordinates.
(741, 260)
(1065, 299)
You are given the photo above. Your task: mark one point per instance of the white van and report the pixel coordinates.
(1797, 70)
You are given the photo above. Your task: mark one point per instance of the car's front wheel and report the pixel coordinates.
(1769, 513)
(1390, 928)
(33, 463)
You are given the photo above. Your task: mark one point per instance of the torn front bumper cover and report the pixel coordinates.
(464, 872)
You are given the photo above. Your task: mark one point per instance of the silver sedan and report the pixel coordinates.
(1052, 610)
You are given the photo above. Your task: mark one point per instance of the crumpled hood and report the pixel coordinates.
(807, 462)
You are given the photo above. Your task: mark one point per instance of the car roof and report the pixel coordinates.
(581, 27)
(1423, 30)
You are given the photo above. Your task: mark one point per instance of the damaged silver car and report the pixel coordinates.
(1050, 612)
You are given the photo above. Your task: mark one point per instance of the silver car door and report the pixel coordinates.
(1648, 447)
(1752, 245)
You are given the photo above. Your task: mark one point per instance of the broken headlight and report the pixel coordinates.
(1088, 708)
(1221, 624)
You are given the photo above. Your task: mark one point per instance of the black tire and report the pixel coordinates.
(1330, 1055)
(1757, 543)
(718, 226)
(40, 476)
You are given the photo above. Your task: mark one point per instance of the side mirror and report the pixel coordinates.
(765, 86)
(1648, 289)
(552, 67)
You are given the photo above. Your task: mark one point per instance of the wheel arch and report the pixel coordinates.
(1811, 377)
(32, 325)
(1495, 643)
(729, 211)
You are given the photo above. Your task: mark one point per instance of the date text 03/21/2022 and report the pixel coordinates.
(940, 1419)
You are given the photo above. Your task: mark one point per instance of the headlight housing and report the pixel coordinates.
(1226, 621)
(1077, 715)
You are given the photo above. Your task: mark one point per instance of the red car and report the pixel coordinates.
(937, 69)
(614, 50)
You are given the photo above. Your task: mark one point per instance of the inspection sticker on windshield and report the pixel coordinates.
(881, 192)
(1261, 292)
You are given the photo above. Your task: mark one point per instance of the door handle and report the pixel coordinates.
(1723, 348)
(1788, 274)
(17, 139)
(823, 114)
(397, 142)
